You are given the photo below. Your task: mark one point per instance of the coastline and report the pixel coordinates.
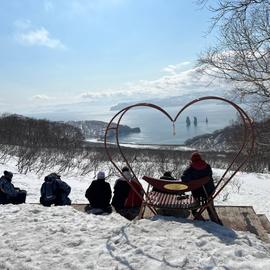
(146, 146)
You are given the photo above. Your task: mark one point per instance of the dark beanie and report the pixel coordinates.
(8, 174)
(167, 174)
(125, 169)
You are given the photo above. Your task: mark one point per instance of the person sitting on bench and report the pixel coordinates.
(197, 169)
(166, 176)
(9, 193)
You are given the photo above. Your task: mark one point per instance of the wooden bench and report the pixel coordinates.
(173, 201)
(169, 194)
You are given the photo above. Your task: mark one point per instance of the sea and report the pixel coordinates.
(155, 127)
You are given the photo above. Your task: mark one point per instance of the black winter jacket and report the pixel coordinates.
(121, 190)
(192, 174)
(99, 194)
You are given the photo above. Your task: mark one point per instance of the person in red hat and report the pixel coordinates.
(197, 169)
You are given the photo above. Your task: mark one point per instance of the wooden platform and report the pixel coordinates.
(265, 222)
(243, 218)
(79, 207)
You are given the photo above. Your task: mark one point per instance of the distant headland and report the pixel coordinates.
(92, 129)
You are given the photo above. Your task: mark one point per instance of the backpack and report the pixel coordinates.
(49, 190)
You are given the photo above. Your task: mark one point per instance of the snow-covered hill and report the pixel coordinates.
(35, 237)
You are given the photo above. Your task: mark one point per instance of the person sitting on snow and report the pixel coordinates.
(121, 190)
(135, 195)
(99, 195)
(197, 169)
(9, 193)
(54, 191)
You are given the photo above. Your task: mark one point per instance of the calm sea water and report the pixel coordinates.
(157, 128)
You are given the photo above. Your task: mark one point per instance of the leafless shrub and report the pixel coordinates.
(242, 51)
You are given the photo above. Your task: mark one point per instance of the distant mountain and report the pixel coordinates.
(219, 140)
(168, 101)
(93, 129)
(231, 137)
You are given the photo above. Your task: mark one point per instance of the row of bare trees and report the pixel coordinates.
(22, 131)
(38, 144)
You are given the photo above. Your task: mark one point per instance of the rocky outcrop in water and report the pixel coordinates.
(93, 129)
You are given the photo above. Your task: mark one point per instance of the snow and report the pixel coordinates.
(36, 237)
(254, 191)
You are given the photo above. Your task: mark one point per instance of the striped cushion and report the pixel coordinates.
(173, 201)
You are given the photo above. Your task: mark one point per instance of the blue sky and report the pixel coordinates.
(72, 51)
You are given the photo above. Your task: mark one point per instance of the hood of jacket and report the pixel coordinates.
(49, 178)
(126, 176)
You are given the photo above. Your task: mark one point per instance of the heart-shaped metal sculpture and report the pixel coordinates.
(247, 143)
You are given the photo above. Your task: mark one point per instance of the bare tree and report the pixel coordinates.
(242, 52)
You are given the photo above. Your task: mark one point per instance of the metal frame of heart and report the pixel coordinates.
(247, 145)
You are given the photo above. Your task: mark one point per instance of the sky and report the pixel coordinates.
(69, 52)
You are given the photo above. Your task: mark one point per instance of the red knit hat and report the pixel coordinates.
(195, 157)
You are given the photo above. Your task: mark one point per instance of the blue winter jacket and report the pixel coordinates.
(64, 189)
(7, 187)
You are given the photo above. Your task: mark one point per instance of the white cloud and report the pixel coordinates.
(174, 84)
(181, 83)
(177, 83)
(26, 34)
(105, 94)
(174, 69)
(40, 98)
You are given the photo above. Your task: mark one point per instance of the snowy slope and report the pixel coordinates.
(34, 237)
(254, 191)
